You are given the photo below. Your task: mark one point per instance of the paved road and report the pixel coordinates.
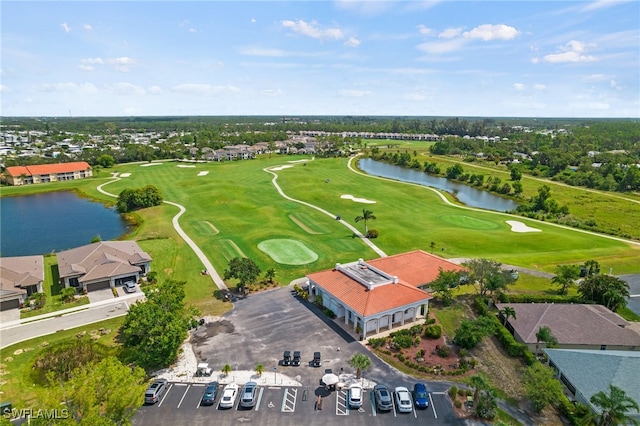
(58, 321)
(633, 302)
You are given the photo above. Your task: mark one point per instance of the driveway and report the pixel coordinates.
(100, 295)
(9, 315)
(633, 302)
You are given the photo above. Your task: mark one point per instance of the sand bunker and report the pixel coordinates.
(521, 227)
(357, 200)
(299, 161)
(185, 166)
(125, 175)
(150, 164)
(203, 173)
(275, 169)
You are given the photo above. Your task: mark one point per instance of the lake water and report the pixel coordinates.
(466, 194)
(54, 221)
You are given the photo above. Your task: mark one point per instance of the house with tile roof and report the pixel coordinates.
(20, 277)
(380, 294)
(587, 372)
(43, 173)
(575, 326)
(105, 264)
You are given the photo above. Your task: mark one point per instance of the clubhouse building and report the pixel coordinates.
(44, 173)
(381, 294)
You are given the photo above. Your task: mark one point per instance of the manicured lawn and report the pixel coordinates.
(449, 317)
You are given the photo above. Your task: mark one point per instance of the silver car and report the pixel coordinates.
(403, 400)
(248, 398)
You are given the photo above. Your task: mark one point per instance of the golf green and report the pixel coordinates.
(468, 222)
(288, 252)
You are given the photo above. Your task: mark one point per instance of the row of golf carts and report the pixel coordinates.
(294, 361)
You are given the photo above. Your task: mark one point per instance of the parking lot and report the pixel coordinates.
(278, 405)
(258, 330)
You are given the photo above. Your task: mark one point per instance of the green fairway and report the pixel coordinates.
(235, 207)
(288, 252)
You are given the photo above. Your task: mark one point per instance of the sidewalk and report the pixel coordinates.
(115, 300)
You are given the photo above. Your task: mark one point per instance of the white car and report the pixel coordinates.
(129, 287)
(403, 400)
(229, 394)
(355, 395)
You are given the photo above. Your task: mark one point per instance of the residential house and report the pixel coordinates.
(43, 173)
(587, 372)
(575, 326)
(105, 264)
(20, 277)
(379, 294)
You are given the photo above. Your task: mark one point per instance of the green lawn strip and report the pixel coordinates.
(628, 314)
(449, 317)
(51, 288)
(19, 388)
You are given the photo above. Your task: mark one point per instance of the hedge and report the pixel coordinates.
(539, 298)
(480, 306)
(433, 331)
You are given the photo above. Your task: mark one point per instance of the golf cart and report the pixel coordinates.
(203, 370)
(286, 358)
(296, 359)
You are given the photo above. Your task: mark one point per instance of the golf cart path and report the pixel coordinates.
(446, 201)
(333, 216)
(217, 280)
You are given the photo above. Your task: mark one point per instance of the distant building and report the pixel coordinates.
(20, 277)
(43, 173)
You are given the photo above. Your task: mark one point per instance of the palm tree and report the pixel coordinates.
(544, 335)
(366, 216)
(259, 369)
(226, 369)
(507, 312)
(360, 362)
(614, 407)
(479, 382)
(565, 277)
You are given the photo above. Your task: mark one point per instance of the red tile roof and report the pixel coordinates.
(47, 169)
(415, 267)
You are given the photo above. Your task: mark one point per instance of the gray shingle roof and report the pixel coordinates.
(592, 371)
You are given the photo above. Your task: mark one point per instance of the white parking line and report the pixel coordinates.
(432, 405)
(183, 395)
(259, 399)
(342, 409)
(165, 394)
(289, 400)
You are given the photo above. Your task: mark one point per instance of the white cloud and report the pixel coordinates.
(125, 89)
(193, 30)
(595, 78)
(65, 27)
(601, 4)
(573, 51)
(437, 47)
(487, 32)
(84, 67)
(352, 42)
(122, 63)
(4, 89)
(92, 61)
(518, 86)
(253, 20)
(540, 86)
(271, 92)
(68, 87)
(450, 33)
(313, 30)
(87, 27)
(425, 31)
(258, 51)
(353, 93)
(204, 89)
(155, 90)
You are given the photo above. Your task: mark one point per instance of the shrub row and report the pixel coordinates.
(480, 306)
(538, 298)
(433, 331)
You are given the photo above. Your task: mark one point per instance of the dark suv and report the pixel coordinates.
(155, 391)
(296, 359)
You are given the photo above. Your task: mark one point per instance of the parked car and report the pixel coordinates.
(296, 359)
(420, 395)
(355, 395)
(210, 393)
(248, 398)
(403, 399)
(155, 391)
(129, 287)
(382, 397)
(229, 394)
(316, 360)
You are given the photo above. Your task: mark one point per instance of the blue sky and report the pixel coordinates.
(442, 58)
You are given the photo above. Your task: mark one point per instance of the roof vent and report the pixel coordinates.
(395, 279)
